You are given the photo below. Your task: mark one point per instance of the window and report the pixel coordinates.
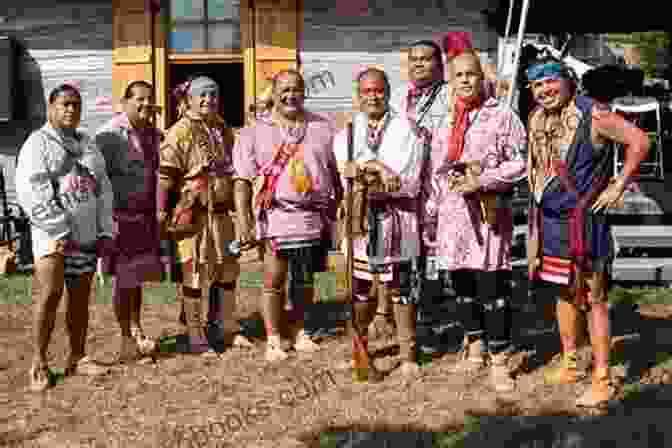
(204, 26)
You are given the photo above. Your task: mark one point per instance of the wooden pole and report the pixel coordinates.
(360, 356)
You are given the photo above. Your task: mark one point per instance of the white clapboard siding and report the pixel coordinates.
(91, 71)
(8, 167)
(336, 42)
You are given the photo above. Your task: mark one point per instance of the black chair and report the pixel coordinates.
(15, 227)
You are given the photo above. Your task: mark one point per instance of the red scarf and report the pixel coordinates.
(463, 106)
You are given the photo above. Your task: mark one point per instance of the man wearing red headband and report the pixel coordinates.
(457, 42)
(569, 241)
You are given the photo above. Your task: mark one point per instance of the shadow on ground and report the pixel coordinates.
(639, 420)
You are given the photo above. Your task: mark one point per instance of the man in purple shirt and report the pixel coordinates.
(288, 160)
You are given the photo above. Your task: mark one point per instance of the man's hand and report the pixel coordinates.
(242, 194)
(341, 212)
(391, 182)
(464, 184)
(612, 196)
(62, 246)
(351, 170)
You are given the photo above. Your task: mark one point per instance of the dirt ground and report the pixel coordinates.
(239, 400)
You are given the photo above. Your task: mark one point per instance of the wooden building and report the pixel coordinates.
(101, 45)
(243, 43)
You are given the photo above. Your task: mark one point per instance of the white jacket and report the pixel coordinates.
(62, 186)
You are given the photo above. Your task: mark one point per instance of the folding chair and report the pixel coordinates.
(634, 108)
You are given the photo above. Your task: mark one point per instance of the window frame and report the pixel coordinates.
(204, 23)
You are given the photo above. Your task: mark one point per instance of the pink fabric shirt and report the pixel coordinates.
(132, 158)
(496, 138)
(294, 215)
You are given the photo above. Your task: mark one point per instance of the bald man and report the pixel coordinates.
(196, 163)
(477, 158)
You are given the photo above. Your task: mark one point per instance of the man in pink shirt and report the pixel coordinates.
(476, 159)
(289, 162)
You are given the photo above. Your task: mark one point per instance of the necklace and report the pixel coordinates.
(375, 132)
(291, 134)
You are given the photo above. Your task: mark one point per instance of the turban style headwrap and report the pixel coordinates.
(201, 84)
(547, 70)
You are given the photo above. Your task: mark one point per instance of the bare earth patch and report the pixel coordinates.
(240, 401)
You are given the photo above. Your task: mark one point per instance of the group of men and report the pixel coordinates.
(433, 166)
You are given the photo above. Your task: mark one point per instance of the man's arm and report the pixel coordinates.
(242, 197)
(245, 172)
(611, 126)
(171, 167)
(334, 173)
(511, 143)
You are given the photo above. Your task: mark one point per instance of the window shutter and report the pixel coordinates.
(276, 25)
(132, 52)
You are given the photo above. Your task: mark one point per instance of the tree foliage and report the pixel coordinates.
(653, 46)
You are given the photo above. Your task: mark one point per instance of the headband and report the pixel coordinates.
(202, 83)
(543, 70)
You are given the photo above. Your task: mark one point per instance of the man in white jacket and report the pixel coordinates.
(62, 186)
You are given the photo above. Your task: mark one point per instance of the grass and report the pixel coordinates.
(439, 439)
(641, 295)
(15, 289)
(456, 439)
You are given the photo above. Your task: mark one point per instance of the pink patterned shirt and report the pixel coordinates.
(497, 139)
